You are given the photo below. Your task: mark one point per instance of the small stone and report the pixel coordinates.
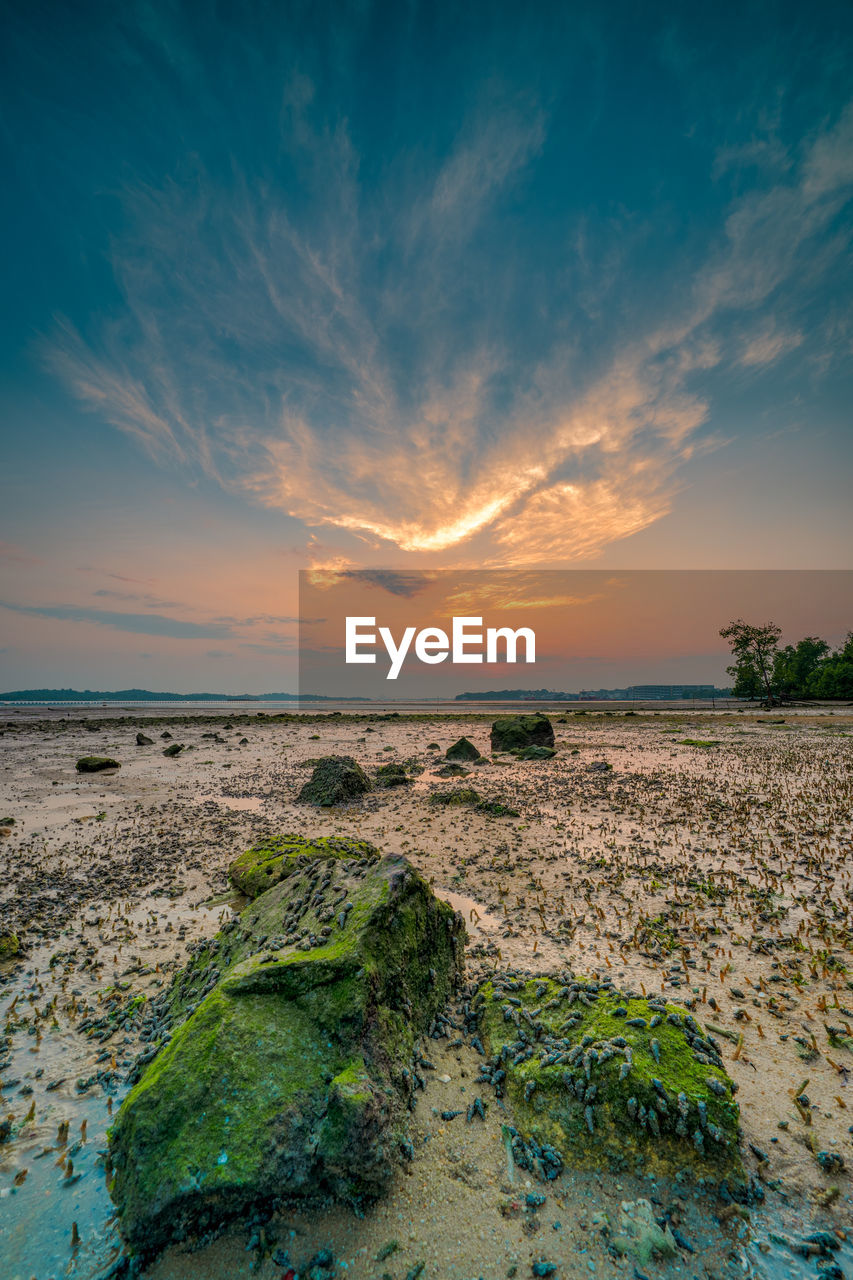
(96, 764)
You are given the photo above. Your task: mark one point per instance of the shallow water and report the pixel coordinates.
(37, 1217)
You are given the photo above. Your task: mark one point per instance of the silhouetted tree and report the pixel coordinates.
(754, 650)
(833, 677)
(794, 666)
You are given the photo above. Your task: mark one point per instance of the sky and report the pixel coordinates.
(576, 629)
(410, 286)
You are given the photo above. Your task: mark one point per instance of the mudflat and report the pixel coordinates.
(704, 857)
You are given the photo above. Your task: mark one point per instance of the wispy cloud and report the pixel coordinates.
(145, 624)
(136, 597)
(17, 555)
(369, 359)
(766, 347)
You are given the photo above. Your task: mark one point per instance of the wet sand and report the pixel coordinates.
(712, 860)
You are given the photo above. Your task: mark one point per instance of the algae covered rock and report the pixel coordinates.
(286, 1076)
(535, 753)
(95, 764)
(513, 733)
(174, 750)
(9, 944)
(269, 861)
(595, 1077)
(392, 774)
(468, 797)
(334, 780)
(462, 750)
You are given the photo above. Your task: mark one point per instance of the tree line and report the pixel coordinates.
(764, 669)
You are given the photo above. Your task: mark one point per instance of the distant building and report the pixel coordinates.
(670, 692)
(603, 695)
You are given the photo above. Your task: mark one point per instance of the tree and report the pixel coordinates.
(795, 665)
(833, 677)
(754, 650)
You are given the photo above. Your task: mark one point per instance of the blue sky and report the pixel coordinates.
(408, 285)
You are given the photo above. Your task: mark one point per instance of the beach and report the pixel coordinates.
(703, 855)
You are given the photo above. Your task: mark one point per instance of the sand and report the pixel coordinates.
(712, 860)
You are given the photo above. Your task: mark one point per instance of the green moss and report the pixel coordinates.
(95, 764)
(269, 861)
(392, 775)
(9, 945)
(283, 1077)
(459, 796)
(573, 1051)
(472, 799)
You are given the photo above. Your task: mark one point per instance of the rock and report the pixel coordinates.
(7, 822)
(452, 771)
(392, 775)
(165, 734)
(467, 796)
(512, 733)
(462, 750)
(335, 780)
(175, 750)
(599, 766)
(640, 1235)
(142, 741)
(94, 764)
(265, 864)
(285, 1078)
(9, 944)
(535, 753)
(610, 1090)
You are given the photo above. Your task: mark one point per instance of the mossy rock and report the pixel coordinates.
(291, 1031)
(462, 750)
(535, 753)
(587, 1088)
(452, 770)
(392, 775)
(470, 798)
(513, 733)
(266, 863)
(95, 764)
(174, 750)
(335, 780)
(10, 945)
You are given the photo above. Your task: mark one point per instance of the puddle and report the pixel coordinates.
(74, 1080)
(770, 1255)
(478, 921)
